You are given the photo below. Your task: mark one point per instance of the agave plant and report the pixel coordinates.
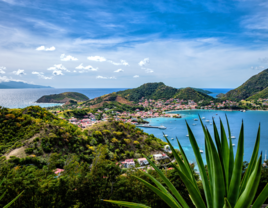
(10, 203)
(223, 185)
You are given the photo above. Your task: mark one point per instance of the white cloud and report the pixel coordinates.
(57, 72)
(63, 57)
(136, 76)
(41, 75)
(257, 67)
(96, 58)
(144, 62)
(82, 69)
(122, 62)
(19, 72)
(101, 77)
(2, 69)
(6, 79)
(43, 48)
(149, 70)
(119, 70)
(57, 69)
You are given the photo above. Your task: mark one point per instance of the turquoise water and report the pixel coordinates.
(177, 128)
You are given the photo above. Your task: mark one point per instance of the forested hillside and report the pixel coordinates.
(255, 84)
(191, 94)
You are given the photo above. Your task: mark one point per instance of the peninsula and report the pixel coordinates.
(63, 98)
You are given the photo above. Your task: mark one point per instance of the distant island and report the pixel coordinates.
(63, 98)
(19, 85)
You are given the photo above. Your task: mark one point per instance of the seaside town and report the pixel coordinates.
(158, 108)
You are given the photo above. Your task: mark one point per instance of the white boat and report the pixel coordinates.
(195, 119)
(172, 138)
(162, 127)
(203, 117)
(207, 120)
(165, 135)
(233, 144)
(244, 111)
(187, 135)
(210, 123)
(194, 124)
(201, 151)
(232, 137)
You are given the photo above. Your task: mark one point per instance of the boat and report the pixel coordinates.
(165, 135)
(203, 117)
(195, 119)
(162, 127)
(194, 124)
(207, 120)
(232, 137)
(201, 151)
(244, 111)
(210, 123)
(233, 144)
(187, 135)
(172, 138)
(216, 114)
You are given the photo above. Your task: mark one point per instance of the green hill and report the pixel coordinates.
(36, 132)
(191, 94)
(254, 85)
(159, 90)
(261, 94)
(62, 97)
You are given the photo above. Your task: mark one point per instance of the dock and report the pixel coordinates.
(149, 126)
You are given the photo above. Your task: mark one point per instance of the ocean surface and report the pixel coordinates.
(216, 91)
(21, 98)
(176, 127)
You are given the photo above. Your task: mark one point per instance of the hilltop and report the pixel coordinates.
(191, 94)
(252, 86)
(35, 132)
(19, 85)
(159, 90)
(62, 98)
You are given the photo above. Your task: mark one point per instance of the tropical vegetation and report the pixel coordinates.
(222, 179)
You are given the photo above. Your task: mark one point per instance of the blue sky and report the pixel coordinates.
(85, 43)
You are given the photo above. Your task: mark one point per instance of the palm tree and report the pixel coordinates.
(223, 185)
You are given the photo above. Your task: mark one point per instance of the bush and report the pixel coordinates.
(29, 150)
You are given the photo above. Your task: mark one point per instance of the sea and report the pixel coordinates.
(20, 98)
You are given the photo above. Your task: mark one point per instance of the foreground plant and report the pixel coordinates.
(10, 203)
(223, 185)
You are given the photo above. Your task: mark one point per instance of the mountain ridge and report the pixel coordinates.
(20, 85)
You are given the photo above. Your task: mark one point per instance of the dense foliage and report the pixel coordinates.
(36, 132)
(252, 86)
(62, 97)
(191, 94)
(261, 94)
(161, 91)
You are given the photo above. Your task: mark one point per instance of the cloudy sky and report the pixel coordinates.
(117, 43)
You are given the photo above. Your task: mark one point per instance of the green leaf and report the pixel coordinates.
(252, 162)
(217, 173)
(226, 155)
(127, 204)
(171, 187)
(246, 198)
(233, 191)
(193, 191)
(261, 198)
(231, 152)
(10, 203)
(201, 166)
(226, 203)
(162, 188)
(162, 195)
